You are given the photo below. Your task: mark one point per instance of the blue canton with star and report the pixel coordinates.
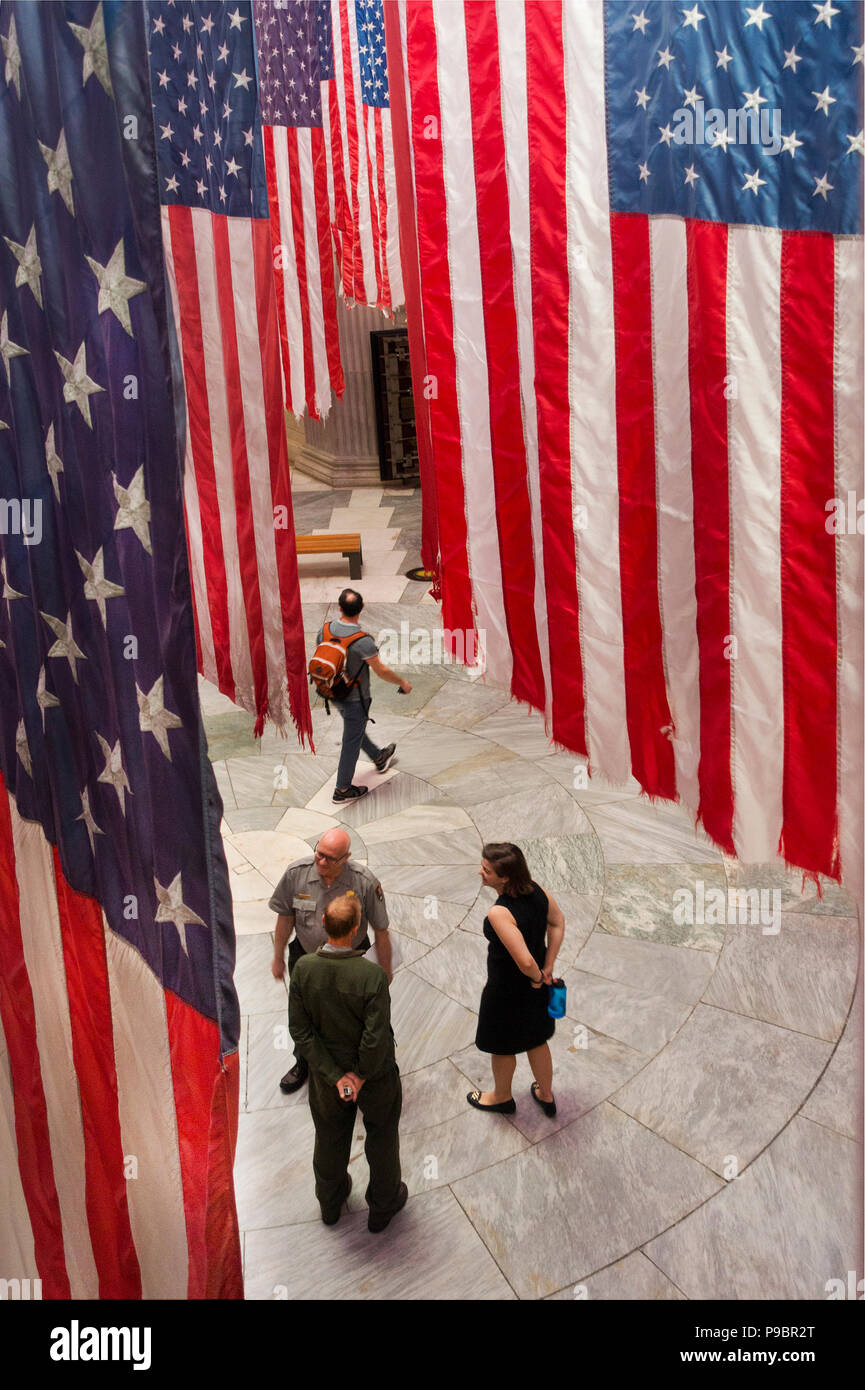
(738, 113)
(371, 53)
(205, 106)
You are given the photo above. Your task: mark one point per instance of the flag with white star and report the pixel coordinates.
(220, 261)
(119, 1017)
(745, 114)
(639, 232)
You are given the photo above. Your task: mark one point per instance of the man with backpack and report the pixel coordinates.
(339, 670)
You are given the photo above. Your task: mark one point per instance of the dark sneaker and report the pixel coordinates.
(330, 1218)
(294, 1079)
(382, 762)
(349, 793)
(377, 1222)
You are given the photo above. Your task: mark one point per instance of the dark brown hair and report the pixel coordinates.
(510, 864)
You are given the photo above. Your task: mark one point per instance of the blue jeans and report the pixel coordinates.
(354, 738)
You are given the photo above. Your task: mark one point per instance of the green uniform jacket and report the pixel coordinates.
(339, 1015)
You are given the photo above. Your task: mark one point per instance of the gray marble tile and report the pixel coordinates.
(305, 774)
(643, 1019)
(229, 735)
(391, 797)
(633, 1278)
(780, 1231)
(388, 702)
(429, 923)
(647, 901)
(802, 978)
(223, 782)
(442, 1154)
(798, 893)
(254, 917)
(587, 1069)
(638, 832)
(257, 990)
(406, 950)
(426, 819)
(667, 970)
(458, 968)
(548, 810)
(616, 1183)
(450, 847)
(270, 1055)
(459, 705)
(432, 748)
(430, 1096)
(581, 913)
(430, 1251)
(566, 863)
(427, 1025)
(456, 883)
(518, 728)
(724, 1086)
(273, 1179)
(469, 788)
(473, 920)
(252, 780)
(254, 818)
(836, 1100)
(562, 767)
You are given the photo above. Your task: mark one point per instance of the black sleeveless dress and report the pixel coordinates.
(512, 1016)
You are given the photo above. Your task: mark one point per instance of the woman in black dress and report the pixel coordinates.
(525, 929)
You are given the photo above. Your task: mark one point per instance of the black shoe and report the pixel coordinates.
(378, 1223)
(382, 761)
(294, 1079)
(330, 1218)
(504, 1107)
(548, 1106)
(349, 793)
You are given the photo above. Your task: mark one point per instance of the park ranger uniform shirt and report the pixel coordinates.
(302, 895)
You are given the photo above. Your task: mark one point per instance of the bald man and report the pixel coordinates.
(299, 900)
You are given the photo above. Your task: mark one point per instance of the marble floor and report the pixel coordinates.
(708, 1076)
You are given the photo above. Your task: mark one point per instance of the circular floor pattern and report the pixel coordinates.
(705, 1073)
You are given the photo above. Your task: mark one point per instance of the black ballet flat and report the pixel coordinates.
(504, 1107)
(548, 1106)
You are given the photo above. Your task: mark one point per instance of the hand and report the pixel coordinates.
(548, 976)
(405, 687)
(348, 1080)
(277, 966)
(356, 1081)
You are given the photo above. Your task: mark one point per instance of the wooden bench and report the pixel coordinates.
(347, 545)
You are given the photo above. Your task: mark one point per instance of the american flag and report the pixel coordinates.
(643, 318)
(119, 1019)
(217, 238)
(295, 58)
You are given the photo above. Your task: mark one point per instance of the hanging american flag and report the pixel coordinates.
(295, 59)
(216, 232)
(119, 1075)
(639, 233)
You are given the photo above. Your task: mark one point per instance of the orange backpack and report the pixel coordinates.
(327, 665)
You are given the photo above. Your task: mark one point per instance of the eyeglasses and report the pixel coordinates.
(328, 858)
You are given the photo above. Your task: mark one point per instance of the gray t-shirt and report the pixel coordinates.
(356, 657)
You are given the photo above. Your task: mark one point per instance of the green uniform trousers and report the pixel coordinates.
(380, 1104)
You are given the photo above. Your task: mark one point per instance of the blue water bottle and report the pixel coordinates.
(558, 1000)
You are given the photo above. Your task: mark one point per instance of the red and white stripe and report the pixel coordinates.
(692, 388)
(362, 162)
(297, 190)
(112, 1103)
(236, 484)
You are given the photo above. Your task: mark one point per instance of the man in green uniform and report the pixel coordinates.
(339, 1018)
(299, 899)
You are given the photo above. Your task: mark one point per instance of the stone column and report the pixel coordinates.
(343, 449)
